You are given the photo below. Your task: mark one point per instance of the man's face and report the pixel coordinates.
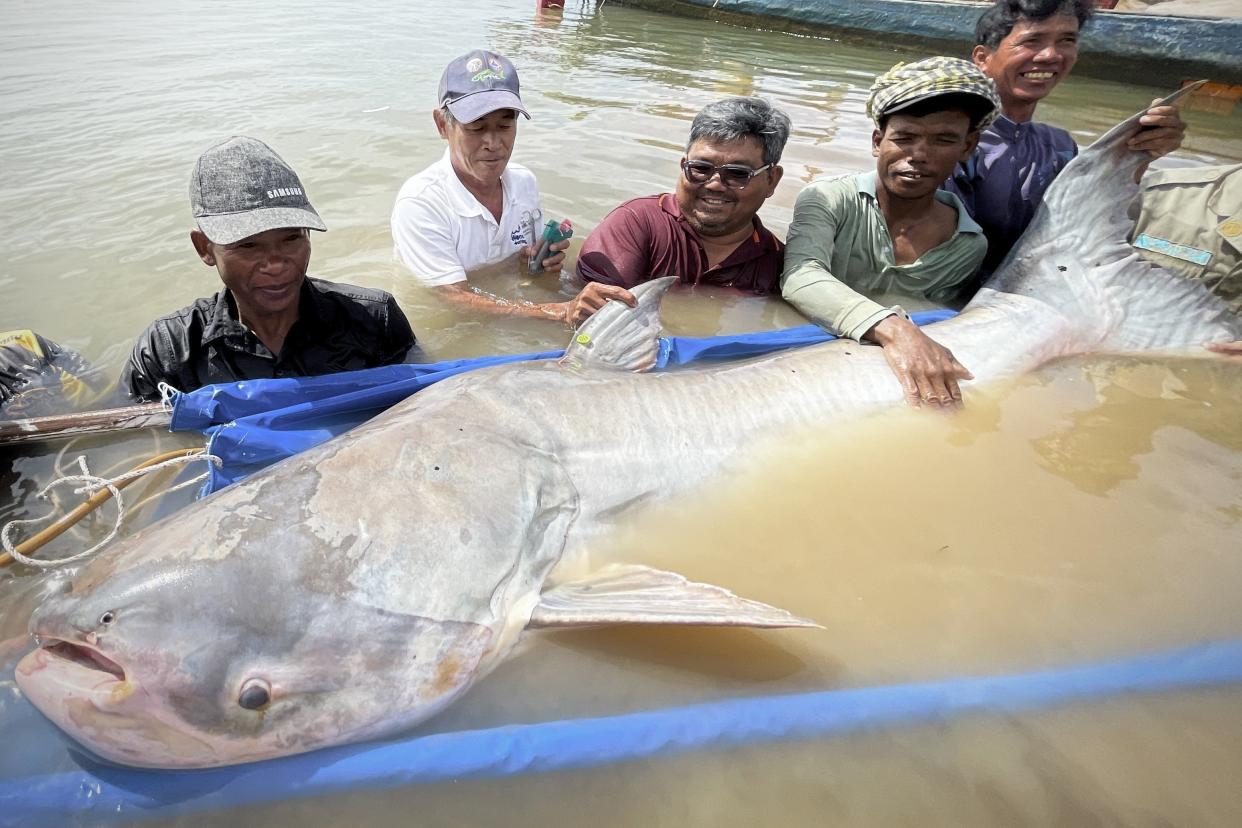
(916, 154)
(1032, 59)
(714, 209)
(481, 148)
(264, 272)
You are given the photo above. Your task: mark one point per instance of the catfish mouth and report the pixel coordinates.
(83, 656)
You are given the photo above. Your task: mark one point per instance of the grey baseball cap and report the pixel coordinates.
(477, 83)
(242, 187)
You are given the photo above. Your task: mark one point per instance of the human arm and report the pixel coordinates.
(572, 312)
(808, 281)
(621, 249)
(423, 237)
(1233, 349)
(926, 370)
(146, 367)
(399, 339)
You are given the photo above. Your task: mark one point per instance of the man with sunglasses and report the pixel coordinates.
(473, 208)
(860, 243)
(707, 232)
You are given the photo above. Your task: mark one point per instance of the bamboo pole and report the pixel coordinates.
(62, 426)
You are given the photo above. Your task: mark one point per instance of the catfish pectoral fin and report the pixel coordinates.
(632, 594)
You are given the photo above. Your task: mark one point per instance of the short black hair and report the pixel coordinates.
(996, 23)
(972, 106)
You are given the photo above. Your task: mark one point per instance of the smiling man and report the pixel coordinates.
(1027, 47)
(271, 319)
(858, 242)
(708, 232)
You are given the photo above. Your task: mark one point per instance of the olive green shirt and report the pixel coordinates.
(839, 257)
(1190, 222)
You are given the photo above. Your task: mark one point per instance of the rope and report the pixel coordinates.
(99, 490)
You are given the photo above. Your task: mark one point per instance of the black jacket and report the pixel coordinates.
(339, 328)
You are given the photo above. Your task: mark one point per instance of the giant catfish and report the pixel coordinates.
(354, 590)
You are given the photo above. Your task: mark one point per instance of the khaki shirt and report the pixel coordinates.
(1190, 222)
(839, 257)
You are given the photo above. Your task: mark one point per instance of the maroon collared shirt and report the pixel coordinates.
(648, 237)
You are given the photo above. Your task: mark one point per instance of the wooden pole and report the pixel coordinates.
(62, 426)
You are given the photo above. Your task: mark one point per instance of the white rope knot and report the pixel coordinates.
(90, 485)
(168, 395)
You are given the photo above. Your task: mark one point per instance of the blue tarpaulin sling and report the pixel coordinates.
(103, 794)
(255, 423)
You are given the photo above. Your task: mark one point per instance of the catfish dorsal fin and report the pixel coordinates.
(1083, 213)
(632, 594)
(1075, 256)
(618, 336)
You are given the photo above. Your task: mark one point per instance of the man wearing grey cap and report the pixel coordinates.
(859, 243)
(271, 319)
(473, 208)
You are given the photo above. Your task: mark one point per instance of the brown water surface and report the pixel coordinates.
(1087, 512)
(1092, 510)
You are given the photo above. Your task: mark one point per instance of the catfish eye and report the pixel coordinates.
(107, 618)
(256, 694)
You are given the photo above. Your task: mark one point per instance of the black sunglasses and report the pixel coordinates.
(733, 176)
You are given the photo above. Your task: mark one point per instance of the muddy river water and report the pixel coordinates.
(1092, 510)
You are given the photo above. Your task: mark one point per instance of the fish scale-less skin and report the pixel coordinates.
(369, 581)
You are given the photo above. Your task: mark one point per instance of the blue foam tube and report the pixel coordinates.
(107, 793)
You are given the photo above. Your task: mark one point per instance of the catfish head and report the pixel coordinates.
(222, 662)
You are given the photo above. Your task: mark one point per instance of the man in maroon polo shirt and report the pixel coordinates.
(707, 232)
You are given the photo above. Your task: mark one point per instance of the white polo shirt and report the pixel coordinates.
(441, 232)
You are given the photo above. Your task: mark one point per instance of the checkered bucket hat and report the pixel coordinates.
(909, 83)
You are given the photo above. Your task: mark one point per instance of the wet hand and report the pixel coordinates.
(556, 260)
(591, 298)
(927, 371)
(1162, 131)
(1227, 348)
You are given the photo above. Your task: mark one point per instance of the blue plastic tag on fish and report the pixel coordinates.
(553, 233)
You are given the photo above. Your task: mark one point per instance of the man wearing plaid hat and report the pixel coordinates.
(271, 319)
(860, 243)
(473, 208)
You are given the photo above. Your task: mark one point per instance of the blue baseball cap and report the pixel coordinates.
(477, 83)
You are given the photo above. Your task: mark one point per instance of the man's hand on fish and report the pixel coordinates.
(591, 298)
(927, 370)
(1226, 348)
(1161, 131)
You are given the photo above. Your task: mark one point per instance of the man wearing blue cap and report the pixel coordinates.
(474, 208)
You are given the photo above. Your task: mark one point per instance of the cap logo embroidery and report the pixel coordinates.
(281, 192)
(488, 74)
(474, 64)
(494, 63)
